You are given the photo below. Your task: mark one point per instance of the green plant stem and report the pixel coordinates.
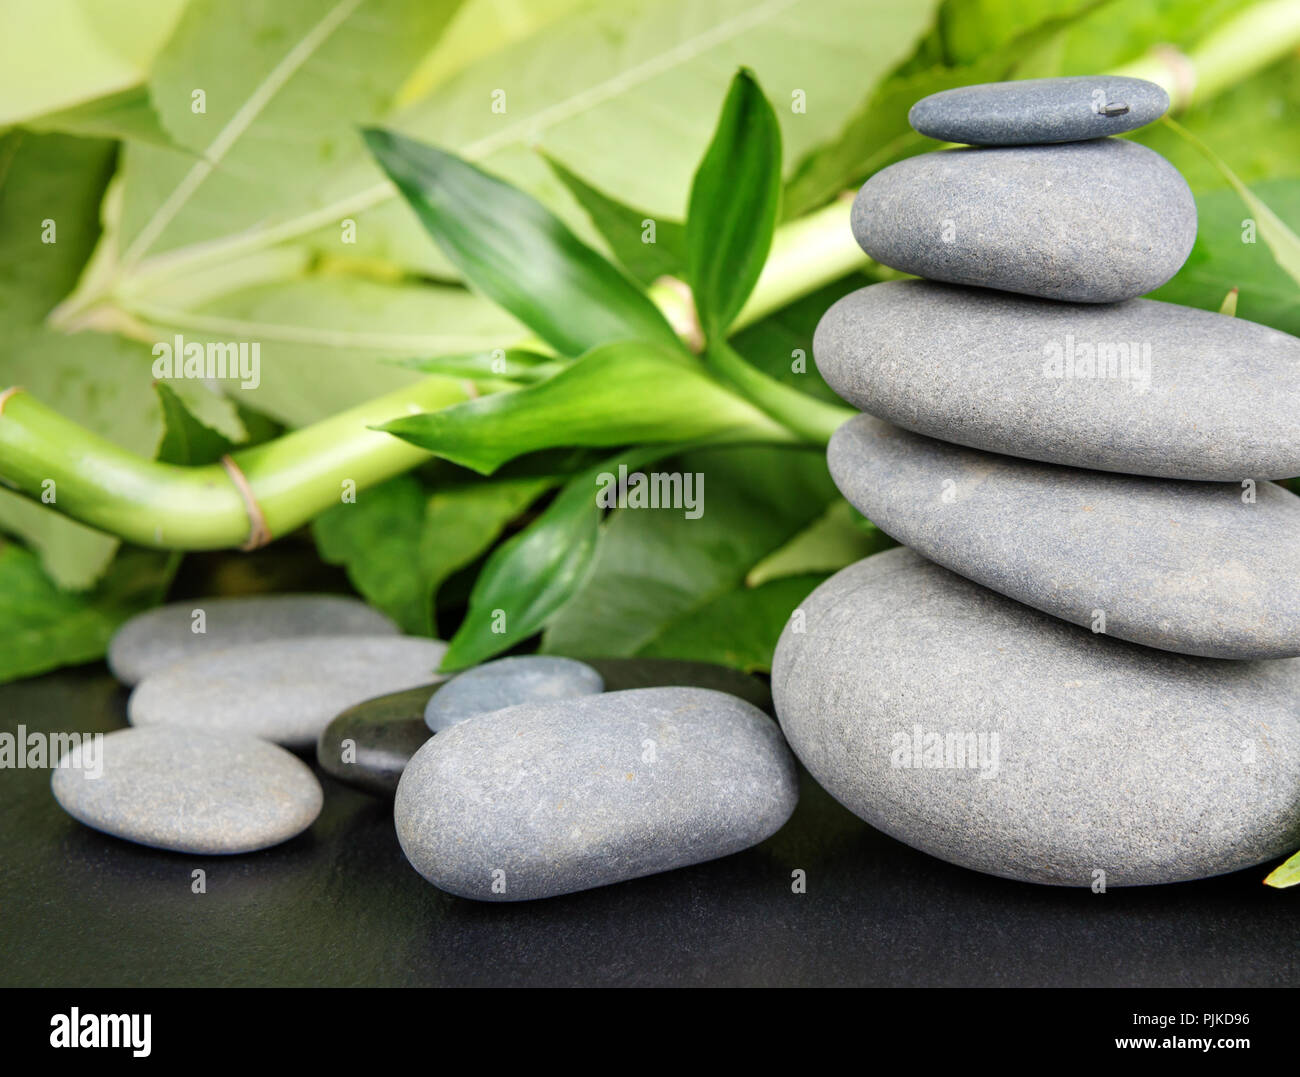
(1243, 44)
(812, 419)
(291, 479)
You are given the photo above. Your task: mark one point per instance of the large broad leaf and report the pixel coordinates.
(1231, 252)
(647, 248)
(739, 628)
(273, 126)
(616, 395)
(128, 115)
(655, 567)
(58, 53)
(327, 342)
(733, 208)
(530, 577)
(50, 189)
(517, 252)
(612, 90)
(43, 627)
(398, 543)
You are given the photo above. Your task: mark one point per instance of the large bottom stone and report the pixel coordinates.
(996, 737)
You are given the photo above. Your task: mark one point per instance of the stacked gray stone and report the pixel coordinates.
(1100, 686)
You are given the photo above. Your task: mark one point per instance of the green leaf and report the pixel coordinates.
(618, 394)
(517, 252)
(646, 254)
(511, 364)
(398, 543)
(1224, 258)
(828, 544)
(43, 627)
(739, 628)
(655, 567)
(734, 202)
(186, 441)
(1287, 874)
(63, 52)
(533, 575)
(128, 115)
(276, 127)
(327, 342)
(50, 189)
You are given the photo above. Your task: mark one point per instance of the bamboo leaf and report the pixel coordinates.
(511, 364)
(1287, 874)
(735, 198)
(647, 247)
(517, 252)
(619, 394)
(533, 575)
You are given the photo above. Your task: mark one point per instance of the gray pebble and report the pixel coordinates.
(1091, 222)
(507, 681)
(1039, 110)
(160, 637)
(1205, 396)
(545, 799)
(282, 690)
(1071, 754)
(189, 791)
(1185, 566)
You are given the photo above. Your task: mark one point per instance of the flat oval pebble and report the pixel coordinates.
(369, 745)
(548, 798)
(506, 682)
(1039, 110)
(189, 791)
(1090, 222)
(1182, 393)
(1192, 567)
(996, 737)
(160, 637)
(282, 690)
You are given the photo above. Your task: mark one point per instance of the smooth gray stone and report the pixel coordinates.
(1109, 757)
(282, 690)
(1090, 222)
(1184, 566)
(507, 681)
(1039, 110)
(189, 791)
(369, 745)
(160, 637)
(548, 798)
(1218, 401)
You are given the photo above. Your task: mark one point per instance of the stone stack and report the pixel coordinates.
(1084, 670)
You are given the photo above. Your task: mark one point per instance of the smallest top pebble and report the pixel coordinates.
(1033, 111)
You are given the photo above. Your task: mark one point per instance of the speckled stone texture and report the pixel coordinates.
(1089, 222)
(1039, 110)
(385, 732)
(161, 637)
(1185, 566)
(190, 791)
(1148, 766)
(282, 690)
(545, 799)
(1219, 399)
(506, 682)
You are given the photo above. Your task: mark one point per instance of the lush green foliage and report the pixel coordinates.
(547, 170)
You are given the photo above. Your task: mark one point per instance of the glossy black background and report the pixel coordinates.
(340, 906)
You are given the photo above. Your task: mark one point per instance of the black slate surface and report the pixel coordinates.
(340, 906)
